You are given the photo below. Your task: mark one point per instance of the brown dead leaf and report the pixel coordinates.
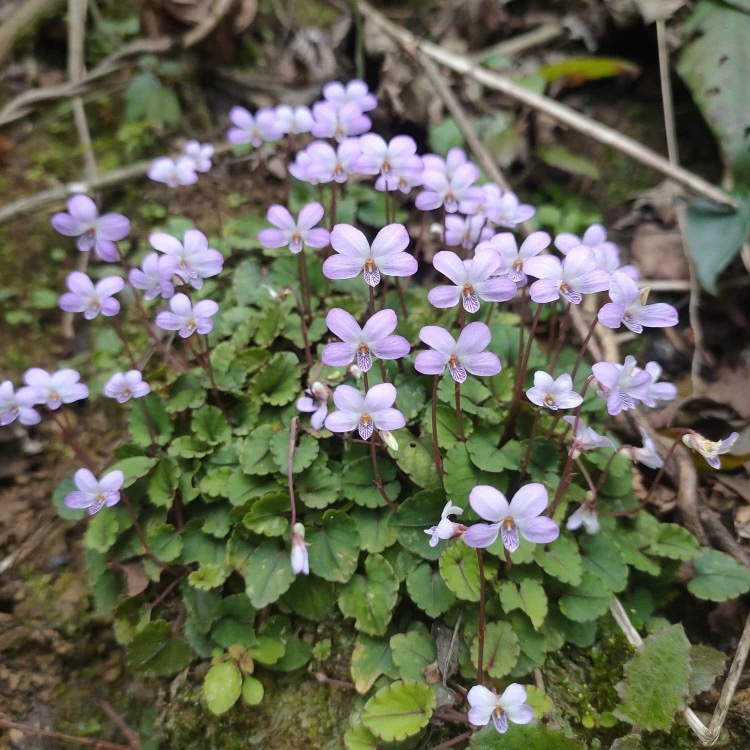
(742, 521)
(136, 578)
(658, 252)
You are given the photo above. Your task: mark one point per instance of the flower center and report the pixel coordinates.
(370, 264)
(191, 324)
(549, 400)
(453, 361)
(518, 264)
(95, 304)
(100, 498)
(468, 289)
(338, 170)
(563, 287)
(296, 238)
(54, 396)
(127, 392)
(509, 522)
(363, 349)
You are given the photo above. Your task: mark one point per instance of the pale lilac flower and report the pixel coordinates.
(256, 130)
(455, 158)
(362, 343)
(462, 356)
(647, 455)
(55, 389)
(294, 120)
(396, 161)
(585, 516)
(510, 706)
(298, 168)
(338, 123)
(466, 231)
(446, 529)
(606, 253)
(93, 231)
(89, 299)
(472, 280)
(709, 449)
(200, 153)
(660, 393)
(92, 493)
(373, 411)
(324, 163)
(440, 190)
(299, 557)
(192, 259)
(187, 318)
(173, 172)
(484, 203)
(126, 385)
(578, 274)
(554, 393)
(585, 438)
(154, 276)
(522, 515)
(628, 307)
(508, 212)
(315, 403)
(355, 255)
(513, 258)
(295, 233)
(355, 91)
(17, 405)
(622, 385)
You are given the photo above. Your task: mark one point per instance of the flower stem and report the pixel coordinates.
(480, 634)
(334, 193)
(149, 424)
(304, 282)
(435, 448)
(663, 468)
(371, 310)
(603, 475)
(378, 480)
(560, 338)
(582, 350)
(459, 416)
(121, 335)
(72, 441)
(141, 535)
(587, 477)
(289, 472)
(530, 446)
(205, 361)
(303, 325)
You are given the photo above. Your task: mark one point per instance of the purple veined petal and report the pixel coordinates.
(481, 535)
(365, 427)
(109, 307)
(342, 267)
(379, 397)
(168, 321)
(364, 359)
(310, 215)
(109, 285)
(659, 315)
(95, 508)
(380, 325)
(350, 242)
(72, 303)
(342, 421)
(444, 296)
(106, 250)
(529, 501)
(457, 371)
(544, 290)
(400, 264)
(339, 354)
(91, 312)
(85, 480)
(280, 217)
(482, 364)
(78, 500)
(83, 208)
(611, 315)
(489, 503)
(539, 530)
(342, 324)
(428, 200)
(317, 237)
(113, 227)
(80, 284)
(390, 240)
(618, 402)
(473, 339)
(451, 266)
(439, 339)
(371, 274)
(273, 238)
(497, 290)
(509, 534)
(543, 267)
(348, 399)
(388, 419)
(391, 347)
(67, 225)
(431, 363)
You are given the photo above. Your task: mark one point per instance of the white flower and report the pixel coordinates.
(299, 558)
(446, 529)
(709, 449)
(553, 394)
(511, 705)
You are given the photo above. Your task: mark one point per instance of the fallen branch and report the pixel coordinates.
(86, 741)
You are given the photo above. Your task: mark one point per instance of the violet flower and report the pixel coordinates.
(514, 258)
(510, 706)
(578, 274)
(622, 385)
(126, 385)
(585, 438)
(472, 280)
(18, 405)
(660, 393)
(299, 558)
(606, 253)
(55, 389)
(455, 158)
(481, 205)
(298, 167)
(154, 277)
(295, 233)
(441, 190)
(373, 411)
(173, 172)
(192, 260)
(709, 449)
(93, 231)
(89, 299)
(200, 153)
(396, 161)
(509, 212)
(446, 529)
(187, 318)
(362, 343)
(462, 356)
(355, 92)
(325, 163)
(294, 121)
(586, 517)
(552, 393)
(628, 307)
(315, 403)
(92, 493)
(521, 516)
(647, 455)
(338, 123)
(466, 231)
(355, 255)
(256, 130)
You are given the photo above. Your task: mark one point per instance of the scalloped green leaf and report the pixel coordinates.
(255, 451)
(162, 483)
(222, 687)
(675, 542)
(412, 653)
(210, 426)
(333, 549)
(399, 710)
(371, 658)
(561, 560)
(602, 558)
(415, 459)
(414, 517)
(428, 591)
(138, 423)
(587, 600)
(305, 452)
(156, 650)
(359, 482)
(268, 573)
(718, 577)
(371, 598)
(706, 665)
(485, 454)
(501, 649)
(278, 382)
(134, 468)
(375, 530)
(318, 487)
(459, 569)
(522, 737)
(528, 596)
(207, 577)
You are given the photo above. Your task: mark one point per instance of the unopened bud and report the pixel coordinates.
(355, 372)
(298, 530)
(320, 391)
(272, 293)
(388, 439)
(436, 229)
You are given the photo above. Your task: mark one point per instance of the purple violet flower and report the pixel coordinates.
(338, 122)
(606, 253)
(585, 438)
(299, 558)
(622, 385)
(455, 158)
(472, 280)
(173, 172)
(466, 231)
(709, 449)
(484, 204)
(92, 493)
(510, 706)
(628, 307)
(154, 277)
(192, 260)
(512, 257)
(18, 405)
(355, 255)
(126, 385)
(324, 163)
(552, 393)
(577, 275)
(187, 318)
(446, 529)
(93, 231)
(373, 411)
(660, 393)
(362, 343)
(295, 234)
(256, 130)
(441, 190)
(355, 91)
(294, 120)
(509, 212)
(315, 403)
(396, 161)
(521, 516)
(200, 153)
(462, 356)
(55, 389)
(647, 455)
(89, 299)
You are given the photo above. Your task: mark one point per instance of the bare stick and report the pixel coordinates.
(86, 741)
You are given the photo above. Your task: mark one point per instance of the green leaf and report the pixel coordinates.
(522, 737)
(569, 161)
(561, 560)
(278, 382)
(102, 530)
(359, 737)
(310, 597)
(255, 452)
(268, 515)
(371, 658)
(675, 542)
(459, 569)
(210, 426)
(528, 596)
(416, 514)
(656, 681)
(629, 742)
(252, 691)
(578, 70)
(268, 573)
(501, 649)
(162, 483)
(718, 577)
(417, 462)
(318, 487)
(187, 446)
(158, 417)
(134, 468)
(156, 650)
(267, 650)
(588, 600)
(207, 577)
(58, 500)
(445, 136)
(222, 687)
(602, 558)
(399, 710)
(706, 665)
(334, 547)
(164, 541)
(375, 530)
(305, 452)
(371, 598)
(412, 653)
(485, 454)
(359, 482)
(428, 590)
(187, 392)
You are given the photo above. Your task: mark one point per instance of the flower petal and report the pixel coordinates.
(483, 364)
(391, 347)
(539, 530)
(380, 325)
(438, 338)
(431, 363)
(350, 242)
(342, 421)
(342, 324)
(379, 397)
(445, 296)
(481, 535)
(388, 419)
(489, 503)
(310, 215)
(473, 339)
(529, 501)
(389, 240)
(338, 354)
(451, 266)
(342, 267)
(349, 399)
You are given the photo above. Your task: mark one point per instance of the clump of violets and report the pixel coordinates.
(335, 122)
(446, 528)
(396, 161)
(365, 413)
(321, 162)
(444, 187)
(187, 318)
(553, 393)
(606, 253)
(295, 233)
(462, 356)
(95, 232)
(57, 388)
(512, 257)
(18, 405)
(89, 298)
(254, 129)
(710, 449)
(123, 386)
(93, 494)
(192, 260)
(486, 705)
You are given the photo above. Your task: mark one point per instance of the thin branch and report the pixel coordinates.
(516, 45)
(86, 741)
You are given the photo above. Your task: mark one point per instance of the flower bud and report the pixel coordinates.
(321, 391)
(355, 372)
(388, 439)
